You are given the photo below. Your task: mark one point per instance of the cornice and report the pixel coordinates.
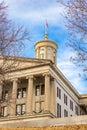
(23, 59)
(83, 96)
(44, 41)
(30, 67)
(66, 81)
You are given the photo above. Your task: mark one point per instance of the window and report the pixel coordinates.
(5, 95)
(42, 55)
(21, 93)
(24, 92)
(40, 90)
(37, 90)
(20, 109)
(76, 110)
(5, 112)
(58, 110)
(71, 105)
(65, 99)
(65, 113)
(23, 109)
(59, 93)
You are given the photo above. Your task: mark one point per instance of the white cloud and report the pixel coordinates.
(36, 11)
(71, 71)
(52, 14)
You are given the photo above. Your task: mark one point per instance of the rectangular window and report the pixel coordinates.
(71, 105)
(20, 109)
(59, 93)
(5, 112)
(5, 95)
(65, 113)
(42, 55)
(37, 90)
(76, 110)
(65, 99)
(23, 92)
(19, 93)
(40, 90)
(58, 110)
(23, 109)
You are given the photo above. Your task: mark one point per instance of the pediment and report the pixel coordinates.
(31, 62)
(14, 63)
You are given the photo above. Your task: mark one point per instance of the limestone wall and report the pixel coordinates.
(27, 122)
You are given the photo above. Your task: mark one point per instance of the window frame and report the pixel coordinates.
(3, 111)
(76, 110)
(71, 105)
(40, 90)
(20, 93)
(58, 92)
(20, 111)
(24, 92)
(65, 113)
(65, 99)
(58, 110)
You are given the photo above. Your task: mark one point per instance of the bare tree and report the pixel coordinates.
(76, 23)
(12, 40)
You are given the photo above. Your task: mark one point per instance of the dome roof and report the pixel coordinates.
(45, 42)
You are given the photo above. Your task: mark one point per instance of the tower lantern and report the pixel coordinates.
(46, 49)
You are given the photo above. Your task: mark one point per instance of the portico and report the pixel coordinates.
(30, 94)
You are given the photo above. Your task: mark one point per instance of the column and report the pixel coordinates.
(47, 93)
(14, 97)
(29, 103)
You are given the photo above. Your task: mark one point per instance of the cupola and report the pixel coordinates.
(46, 49)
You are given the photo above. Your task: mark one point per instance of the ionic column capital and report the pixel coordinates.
(14, 79)
(30, 77)
(47, 74)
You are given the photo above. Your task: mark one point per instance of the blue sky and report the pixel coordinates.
(33, 14)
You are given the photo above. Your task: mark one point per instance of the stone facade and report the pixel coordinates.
(37, 88)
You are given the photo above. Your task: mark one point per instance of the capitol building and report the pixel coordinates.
(37, 89)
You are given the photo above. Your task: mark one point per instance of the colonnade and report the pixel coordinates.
(29, 98)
